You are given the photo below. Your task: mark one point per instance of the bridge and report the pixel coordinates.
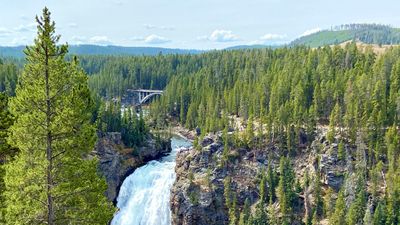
(146, 94)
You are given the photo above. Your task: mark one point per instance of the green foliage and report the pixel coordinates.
(132, 127)
(334, 122)
(194, 197)
(272, 181)
(314, 220)
(380, 214)
(245, 215)
(249, 135)
(367, 33)
(319, 202)
(286, 194)
(339, 215)
(290, 90)
(52, 174)
(230, 201)
(6, 151)
(6, 120)
(356, 211)
(261, 216)
(8, 77)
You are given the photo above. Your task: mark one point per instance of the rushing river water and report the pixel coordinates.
(144, 195)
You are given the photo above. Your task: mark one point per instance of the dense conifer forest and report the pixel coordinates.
(283, 95)
(292, 91)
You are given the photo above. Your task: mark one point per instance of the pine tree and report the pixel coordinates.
(356, 211)
(379, 215)
(6, 151)
(334, 122)
(250, 132)
(245, 214)
(52, 180)
(6, 120)
(339, 215)
(285, 190)
(319, 203)
(261, 217)
(271, 181)
(230, 201)
(314, 218)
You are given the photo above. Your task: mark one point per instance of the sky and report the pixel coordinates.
(188, 24)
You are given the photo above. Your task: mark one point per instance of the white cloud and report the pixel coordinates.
(78, 40)
(151, 39)
(220, 36)
(95, 40)
(155, 39)
(100, 40)
(136, 38)
(23, 28)
(223, 36)
(272, 37)
(26, 27)
(24, 17)
(19, 41)
(19, 35)
(311, 31)
(4, 32)
(151, 26)
(118, 3)
(202, 38)
(72, 25)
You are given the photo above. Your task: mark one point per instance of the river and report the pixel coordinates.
(145, 195)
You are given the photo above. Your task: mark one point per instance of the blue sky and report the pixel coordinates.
(196, 24)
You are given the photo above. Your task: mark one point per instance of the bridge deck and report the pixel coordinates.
(148, 91)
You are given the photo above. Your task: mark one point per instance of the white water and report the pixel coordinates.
(144, 195)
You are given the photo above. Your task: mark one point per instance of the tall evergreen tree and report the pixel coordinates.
(319, 203)
(6, 151)
(285, 190)
(380, 214)
(339, 215)
(52, 180)
(6, 120)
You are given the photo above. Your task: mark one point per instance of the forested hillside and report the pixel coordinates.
(366, 33)
(292, 91)
(8, 77)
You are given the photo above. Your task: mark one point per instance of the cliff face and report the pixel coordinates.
(117, 162)
(198, 193)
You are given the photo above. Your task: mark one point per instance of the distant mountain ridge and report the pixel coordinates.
(365, 33)
(17, 51)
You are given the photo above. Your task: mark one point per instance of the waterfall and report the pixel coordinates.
(144, 195)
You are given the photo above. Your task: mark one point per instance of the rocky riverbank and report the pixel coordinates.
(197, 196)
(117, 162)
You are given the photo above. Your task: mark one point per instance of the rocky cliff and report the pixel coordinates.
(117, 162)
(198, 193)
